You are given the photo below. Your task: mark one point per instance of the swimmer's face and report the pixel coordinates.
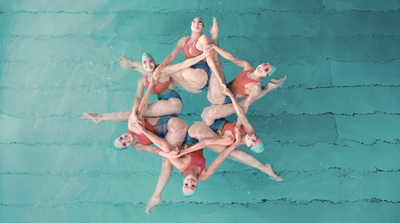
(251, 140)
(148, 64)
(123, 141)
(197, 25)
(189, 184)
(264, 69)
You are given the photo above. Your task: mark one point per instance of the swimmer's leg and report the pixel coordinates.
(190, 79)
(177, 129)
(175, 136)
(165, 174)
(214, 31)
(172, 106)
(213, 112)
(96, 118)
(201, 131)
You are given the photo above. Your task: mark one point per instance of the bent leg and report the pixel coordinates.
(165, 174)
(192, 80)
(213, 112)
(172, 106)
(96, 118)
(177, 129)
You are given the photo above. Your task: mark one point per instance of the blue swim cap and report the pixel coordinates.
(273, 69)
(187, 194)
(145, 54)
(116, 147)
(259, 148)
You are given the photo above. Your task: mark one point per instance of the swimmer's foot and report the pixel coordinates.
(154, 200)
(214, 31)
(94, 117)
(271, 173)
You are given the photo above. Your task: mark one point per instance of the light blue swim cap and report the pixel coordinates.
(259, 148)
(273, 69)
(187, 194)
(145, 54)
(116, 147)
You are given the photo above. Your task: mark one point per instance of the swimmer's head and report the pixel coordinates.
(265, 69)
(197, 25)
(189, 185)
(123, 141)
(148, 62)
(254, 143)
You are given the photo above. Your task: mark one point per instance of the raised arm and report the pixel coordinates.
(160, 143)
(131, 64)
(272, 85)
(242, 119)
(207, 173)
(225, 54)
(170, 57)
(169, 69)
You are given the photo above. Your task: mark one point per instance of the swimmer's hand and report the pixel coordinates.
(274, 84)
(173, 154)
(156, 74)
(238, 135)
(225, 90)
(206, 51)
(139, 125)
(125, 62)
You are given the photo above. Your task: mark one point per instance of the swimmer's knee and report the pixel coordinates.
(177, 124)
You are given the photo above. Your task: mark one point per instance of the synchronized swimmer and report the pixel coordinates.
(158, 123)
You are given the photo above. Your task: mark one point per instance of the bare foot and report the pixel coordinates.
(154, 200)
(214, 30)
(94, 117)
(274, 83)
(271, 173)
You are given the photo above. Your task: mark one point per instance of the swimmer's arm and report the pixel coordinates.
(272, 85)
(145, 100)
(238, 109)
(206, 143)
(171, 56)
(205, 41)
(225, 54)
(207, 173)
(169, 69)
(138, 97)
(160, 143)
(131, 64)
(254, 90)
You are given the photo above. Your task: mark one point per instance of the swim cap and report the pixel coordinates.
(116, 147)
(187, 194)
(147, 55)
(273, 69)
(202, 20)
(259, 148)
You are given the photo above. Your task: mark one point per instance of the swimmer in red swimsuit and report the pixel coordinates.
(195, 79)
(169, 101)
(192, 164)
(246, 85)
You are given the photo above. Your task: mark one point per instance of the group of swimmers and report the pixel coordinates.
(181, 145)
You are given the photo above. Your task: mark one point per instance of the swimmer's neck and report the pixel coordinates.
(252, 75)
(195, 35)
(193, 171)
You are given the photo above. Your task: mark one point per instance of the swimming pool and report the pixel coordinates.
(331, 130)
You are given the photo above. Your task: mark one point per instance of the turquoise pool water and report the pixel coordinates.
(332, 130)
